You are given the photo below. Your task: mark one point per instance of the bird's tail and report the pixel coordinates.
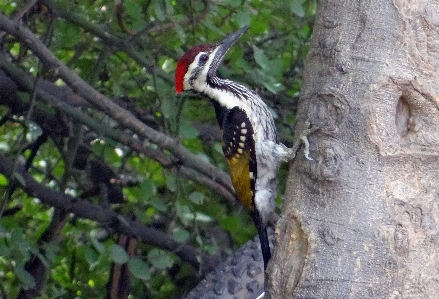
(263, 238)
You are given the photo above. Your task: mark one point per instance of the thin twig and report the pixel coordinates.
(104, 104)
(21, 13)
(25, 82)
(102, 215)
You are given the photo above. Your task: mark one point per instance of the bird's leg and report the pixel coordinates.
(302, 138)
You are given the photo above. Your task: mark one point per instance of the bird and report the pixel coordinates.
(250, 141)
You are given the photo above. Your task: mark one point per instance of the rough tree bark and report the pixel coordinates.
(361, 220)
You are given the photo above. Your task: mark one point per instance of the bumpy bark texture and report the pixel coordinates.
(361, 220)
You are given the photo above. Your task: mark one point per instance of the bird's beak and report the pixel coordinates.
(230, 40)
(226, 44)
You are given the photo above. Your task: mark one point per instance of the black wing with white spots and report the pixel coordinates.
(239, 149)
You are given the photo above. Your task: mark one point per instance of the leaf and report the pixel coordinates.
(25, 277)
(42, 258)
(230, 223)
(171, 182)
(196, 197)
(20, 178)
(158, 204)
(296, 7)
(98, 245)
(159, 10)
(260, 57)
(218, 147)
(139, 268)
(24, 96)
(202, 217)
(184, 213)
(160, 259)
(19, 243)
(147, 189)
(133, 9)
(4, 249)
(118, 254)
(180, 33)
(274, 86)
(169, 7)
(91, 256)
(234, 3)
(188, 131)
(243, 17)
(168, 104)
(180, 235)
(66, 34)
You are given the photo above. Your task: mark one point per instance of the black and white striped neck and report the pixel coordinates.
(228, 93)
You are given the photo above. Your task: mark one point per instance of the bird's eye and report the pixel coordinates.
(204, 58)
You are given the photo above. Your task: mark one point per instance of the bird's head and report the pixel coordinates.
(199, 64)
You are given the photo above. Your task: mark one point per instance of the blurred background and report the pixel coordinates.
(145, 195)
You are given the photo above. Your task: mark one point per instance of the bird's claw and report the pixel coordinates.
(303, 138)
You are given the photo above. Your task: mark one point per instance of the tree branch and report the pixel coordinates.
(104, 216)
(24, 82)
(104, 104)
(109, 39)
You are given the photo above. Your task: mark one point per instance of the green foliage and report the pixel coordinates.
(118, 254)
(139, 269)
(137, 72)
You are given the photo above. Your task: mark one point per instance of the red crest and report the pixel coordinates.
(184, 62)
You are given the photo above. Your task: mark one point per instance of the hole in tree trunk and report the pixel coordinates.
(402, 117)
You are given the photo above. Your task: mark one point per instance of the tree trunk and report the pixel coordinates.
(361, 219)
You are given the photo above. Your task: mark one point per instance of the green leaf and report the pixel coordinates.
(139, 268)
(160, 259)
(188, 131)
(133, 9)
(180, 235)
(260, 58)
(98, 245)
(296, 7)
(243, 17)
(184, 213)
(202, 217)
(168, 106)
(218, 147)
(196, 197)
(66, 34)
(19, 243)
(20, 178)
(159, 10)
(91, 256)
(181, 33)
(24, 96)
(118, 254)
(4, 249)
(171, 182)
(274, 86)
(169, 7)
(233, 3)
(147, 189)
(25, 277)
(230, 223)
(158, 204)
(42, 258)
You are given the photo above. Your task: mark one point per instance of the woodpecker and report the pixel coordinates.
(249, 139)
